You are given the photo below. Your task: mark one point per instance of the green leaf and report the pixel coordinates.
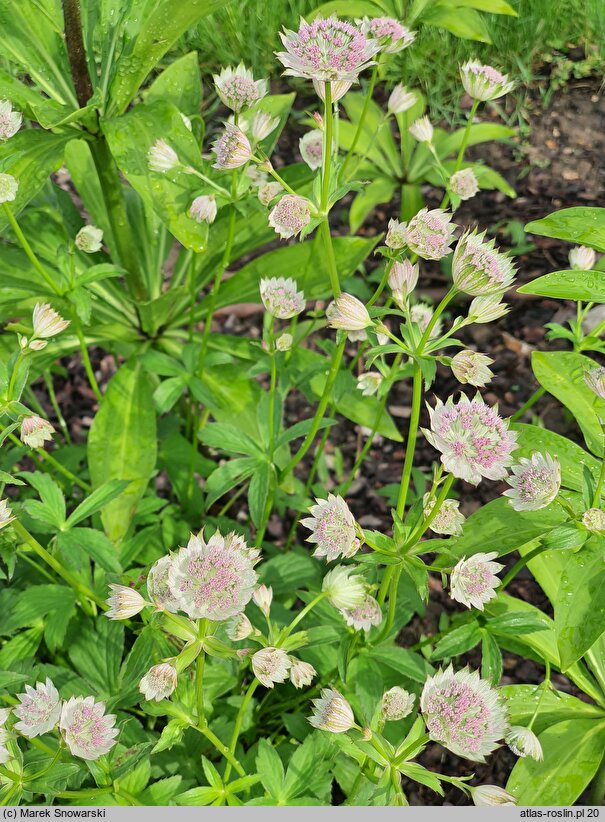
(263, 478)
(491, 659)
(378, 191)
(521, 701)
(306, 770)
(270, 770)
(158, 30)
(515, 623)
(227, 476)
(122, 445)
(93, 545)
(347, 8)
(169, 194)
(458, 641)
(405, 662)
(561, 373)
(230, 439)
(582, 225)
(573, 750)
(179, 84)
(96, 501)
(569, 285)
(579, 606)
(465, 23)
(96, 653)
(34, 604)
(52, 508)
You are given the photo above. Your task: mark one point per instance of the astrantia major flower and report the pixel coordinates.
(582, 258)
(159, 682)
(301, 673)
(403, 278)
(395, 234)
(473, 439)
(161, 157)
(326, 50)
(491, 796)
(464, 184)
(595, 380)
(487, 309)
(290, 215)
(158, 586)
(422, 314)
(332, 527)
(369, 383)
(390, 33)
(343, 589)
(363, 617)
(281, 297)
(8, 188)
(484, 82)
(263, 597)
(89, 239)
(396, 704)
(594, 520)
(478, 268)
(332, 712)
(232, 148)
(6, 515)
(215, 579)
(87, 730)
(448, 520)
(400, 100)
(10, 121)
(472, 368)
(39, 709)
(429, 234)
(534, 482)
(422, 130)
(268, 192)
(271, 665)
(284, 342)
(203, 209)
(348, 313)
(35, 431)
(523, 742)
(239, 627)
(124, 602)
(473, 580)
(463, 713)
(47, 322)
(311, 146)
(237, 87)
(263, 124)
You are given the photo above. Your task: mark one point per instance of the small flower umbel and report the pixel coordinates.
(46, 322)
(463, 713)
(311, 148)
(594, 520)
(422, 130)
(10, 121)
(348, 313)
(161, 157)
(124, 602)
(8, 188)
(290, 215)
(523, 742)
(478, 268)
(327, 50)
(472, 368)
(429, 234)
(271, 665)
(159, 682)
(332, 713)
(39, 709)
(534, 483)
(158, 586)
(390, 33)
(87, 730)
(369, 383)
(448, 520)
(35, 431)
(400, 100)
(232, 148)
(333, 528)
(89, 239)
(487, 796)
(484, 83)
(473, 580)
(281, 297)
(343, 589)
(403, 278)
(464, 184)
(363, 617)
(595, 380)
(582, 258)
(203, 209)
(473, 439)
(6, 515)
(238, 89)
(396, 704)
(301, 673)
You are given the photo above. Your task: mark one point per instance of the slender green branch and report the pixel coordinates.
(29, 251)
(434, 319)
(410, 446)
(86, 358)
(362, 119)
(463, 145)
(521, 563)
(324, 230)
(538, 393)
(426, 523)
(299, 617)
(238, 723)
(41, 455)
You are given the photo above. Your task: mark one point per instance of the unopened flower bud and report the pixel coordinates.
(395, 234)
(400, 100)
(472, 368)
(203, 209)
(332, 712)
(422, 130)
(594, 520)
(268, 192)
(271, 665)
(47, 322)
(396, 704)
(284, 342)
(491, 796)
(239, 627)
(161, 157)
(263, 124)
(523, 742)
(369, 383)
(89, 239)
(403, 278)
(159, 682)
(35, 431)
(595, 380)
(348, 313)
(464, 184)
(301, 673)
(263, 597)
(124, 602)
(582, 258)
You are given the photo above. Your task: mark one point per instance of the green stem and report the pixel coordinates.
(299, 616)
(232, 762)
(238, 723)
(426, 524)
(344, 487)
(48, 381)
(393, 587)
(85, 358)
(199, 674)
(463, 145)
(78, 586)
(597, 795)
(597, 491)
(28, 250)
(319, 413)
(434, 319)
(382, 284)
(11, 385)
(324, 230)
(362, 118)
(521, 563)
(327, 148)
(544, 688)
(410, 446)
(88, 793)
(41, 455)
(125, 250)
(538, 393)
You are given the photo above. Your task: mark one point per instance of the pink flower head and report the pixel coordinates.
(448, 520)
(582, 258)
(87, 730)
(301, 673)
(290, 215)
(363, 617)
(158, 586)
(392, 36)
(473, 580)
(463, 713)
(35, 431)
(534, 482)
(595, 380)
(203, 209)
(237, 87)
(159, 682)
(311, 146)
(326, 50)
(39, 709)
(464, 184)
(397, 703)
(332, 527)
(421, 314)
(429, 234)
(478, 268)
(271, 665)
(281, 297)
(215, 579)
(473, 439)
(484, 82)
(232, 148)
